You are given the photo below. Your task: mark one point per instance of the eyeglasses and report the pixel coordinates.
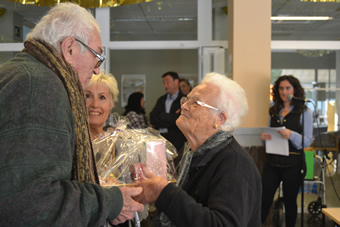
(194, 101)
(100, 58)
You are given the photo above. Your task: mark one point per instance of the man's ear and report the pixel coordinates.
(221, 118)
(67, 49)
(176, 82)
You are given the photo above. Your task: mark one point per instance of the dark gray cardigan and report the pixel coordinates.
(226, 191)
(36, 151)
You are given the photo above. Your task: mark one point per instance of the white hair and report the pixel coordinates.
(231, 99)
(63, 20)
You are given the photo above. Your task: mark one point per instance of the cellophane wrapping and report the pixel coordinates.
(120, 154)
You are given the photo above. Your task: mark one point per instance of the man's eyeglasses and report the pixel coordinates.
(194, 101)
(100, 58)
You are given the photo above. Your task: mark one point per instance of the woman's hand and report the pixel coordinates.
(285, 133)
(265, 136)
(152, 187)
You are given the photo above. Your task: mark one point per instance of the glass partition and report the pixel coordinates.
(156, 20)
(322, 22)
(16, 20)
(220, 20)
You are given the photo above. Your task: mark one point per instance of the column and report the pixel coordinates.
(249, 55)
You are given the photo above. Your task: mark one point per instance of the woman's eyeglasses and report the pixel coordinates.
(195, 101)
(100, 58)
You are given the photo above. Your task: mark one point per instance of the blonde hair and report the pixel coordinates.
(231, 99)
(110, 81)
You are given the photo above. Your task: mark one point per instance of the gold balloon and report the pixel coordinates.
(83, 3)
(2, 11)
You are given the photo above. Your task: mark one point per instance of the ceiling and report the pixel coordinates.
(157, 20)
(177, 19)
(306, 30)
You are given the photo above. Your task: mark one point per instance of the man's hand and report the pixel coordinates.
(152, 187)
(130, 206)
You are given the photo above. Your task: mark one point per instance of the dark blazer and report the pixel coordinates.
(160, 119)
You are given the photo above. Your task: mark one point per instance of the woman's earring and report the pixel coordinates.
(216, 126)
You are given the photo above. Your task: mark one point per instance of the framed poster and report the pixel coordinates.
(131, 83)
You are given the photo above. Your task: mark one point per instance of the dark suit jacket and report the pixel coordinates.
(160, 119)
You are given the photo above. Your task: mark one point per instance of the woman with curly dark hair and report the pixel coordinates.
(286, 112)
(134, 111)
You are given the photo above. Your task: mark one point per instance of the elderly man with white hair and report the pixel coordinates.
(218, 184)
(47, 170)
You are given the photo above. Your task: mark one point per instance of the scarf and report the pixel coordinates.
(83, 165)
(209, 148)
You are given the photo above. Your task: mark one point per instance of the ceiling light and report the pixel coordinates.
(313, 53)
(320, 0)
(300, 18)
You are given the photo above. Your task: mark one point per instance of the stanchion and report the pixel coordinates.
(302, 164)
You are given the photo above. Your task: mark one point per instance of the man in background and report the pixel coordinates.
(48, 174)
(166, 111)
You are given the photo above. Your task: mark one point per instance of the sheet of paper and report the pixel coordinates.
(277, 145)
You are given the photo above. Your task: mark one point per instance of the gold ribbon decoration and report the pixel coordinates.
(83, 3)
(2, 11)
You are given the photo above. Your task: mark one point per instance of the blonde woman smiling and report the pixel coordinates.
(101, 93)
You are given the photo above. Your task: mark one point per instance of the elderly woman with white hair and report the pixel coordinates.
(218, 183)
(101, 93)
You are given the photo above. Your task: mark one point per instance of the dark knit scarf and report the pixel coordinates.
(83, 166)
(212, 146)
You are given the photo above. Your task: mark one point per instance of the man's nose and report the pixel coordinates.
(96, 71)
(184, 106)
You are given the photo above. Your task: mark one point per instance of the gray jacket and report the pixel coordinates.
(36, 152)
